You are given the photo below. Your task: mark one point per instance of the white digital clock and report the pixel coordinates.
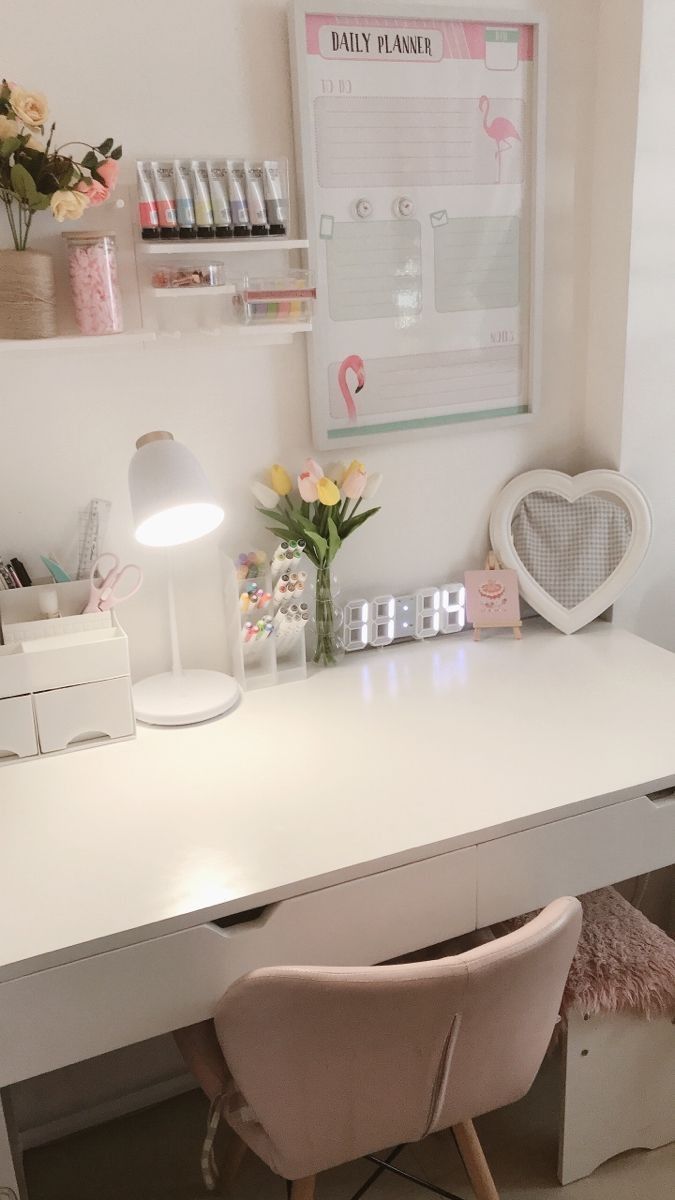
(422, 614)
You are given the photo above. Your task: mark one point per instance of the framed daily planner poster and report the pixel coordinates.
(420, 129)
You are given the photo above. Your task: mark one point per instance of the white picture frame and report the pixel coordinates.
(367, 343)
(611, 484)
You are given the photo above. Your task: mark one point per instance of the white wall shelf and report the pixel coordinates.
(237, 245)
(76, 341)
(178, 293)
(272, 334)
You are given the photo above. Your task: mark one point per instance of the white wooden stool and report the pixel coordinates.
(618, 1037)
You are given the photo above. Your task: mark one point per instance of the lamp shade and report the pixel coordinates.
(171, 499)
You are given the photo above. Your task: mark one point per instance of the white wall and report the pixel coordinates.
(648, 446)
(214, 82)
(610, 215)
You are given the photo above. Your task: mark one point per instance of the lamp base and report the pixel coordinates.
(184, 697)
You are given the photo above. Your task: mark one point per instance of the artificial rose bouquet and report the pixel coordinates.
(322, 515)
(34, 177)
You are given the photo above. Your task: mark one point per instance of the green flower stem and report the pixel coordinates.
(65, 144)
(325, 618)
(12, 224)
(27, 226)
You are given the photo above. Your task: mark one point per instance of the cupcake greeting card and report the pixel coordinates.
(492, 599)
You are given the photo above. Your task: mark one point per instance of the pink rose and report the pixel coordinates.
(109, 170)
(96, 192)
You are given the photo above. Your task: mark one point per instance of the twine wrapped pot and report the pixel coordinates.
(27, 295)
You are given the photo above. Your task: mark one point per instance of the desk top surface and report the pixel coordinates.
(394, 756)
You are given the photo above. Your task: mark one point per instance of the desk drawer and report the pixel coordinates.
(68, 1013)
(17, 728)
(525, 870)
(87, 713)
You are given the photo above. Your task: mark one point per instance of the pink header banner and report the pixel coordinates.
(392, 39)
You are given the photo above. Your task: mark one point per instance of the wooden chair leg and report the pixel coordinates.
(303, 1189)
(475, 1162)
(230, 1158)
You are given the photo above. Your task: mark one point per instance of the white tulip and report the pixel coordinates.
(265, 495)
(372, 486)
(336, 471)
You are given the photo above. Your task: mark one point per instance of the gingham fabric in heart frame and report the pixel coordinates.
(570, 549)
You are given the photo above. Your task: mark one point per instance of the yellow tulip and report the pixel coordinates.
(328, 492)
(355, 465)
(280, 480)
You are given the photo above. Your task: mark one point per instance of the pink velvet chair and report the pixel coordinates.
(315, 1066)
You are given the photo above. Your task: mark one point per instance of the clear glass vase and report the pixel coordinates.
(328, 644)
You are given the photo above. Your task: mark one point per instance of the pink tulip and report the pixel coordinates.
(308, 480)
(308, 486)
(354, 482)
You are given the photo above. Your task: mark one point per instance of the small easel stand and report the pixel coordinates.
(492, 563)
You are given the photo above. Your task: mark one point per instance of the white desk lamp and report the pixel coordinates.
(172, 503)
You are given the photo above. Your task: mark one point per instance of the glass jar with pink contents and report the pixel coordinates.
(92, 267)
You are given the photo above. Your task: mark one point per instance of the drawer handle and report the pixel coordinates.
(90, 736)
(662, 797)
(249, 917)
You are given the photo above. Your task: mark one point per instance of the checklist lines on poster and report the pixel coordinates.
(476, 263)
(419, 384)
(388, 141)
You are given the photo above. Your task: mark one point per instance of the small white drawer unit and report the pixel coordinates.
(65, 681)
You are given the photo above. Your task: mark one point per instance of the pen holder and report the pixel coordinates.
(268, 643)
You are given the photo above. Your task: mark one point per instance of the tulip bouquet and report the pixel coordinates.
(322, 514)
(34, 177)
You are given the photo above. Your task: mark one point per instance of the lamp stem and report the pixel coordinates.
(176, 664)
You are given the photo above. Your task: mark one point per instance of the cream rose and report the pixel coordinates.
(30, 107)
(68, 206)
(8, 127)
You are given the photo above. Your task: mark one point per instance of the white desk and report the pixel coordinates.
(437, 787)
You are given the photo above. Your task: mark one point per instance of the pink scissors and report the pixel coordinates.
(104, 594)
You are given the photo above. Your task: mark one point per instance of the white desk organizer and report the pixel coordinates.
(274, 659)
(64, 682)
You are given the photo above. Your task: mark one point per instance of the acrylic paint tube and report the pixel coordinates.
(147, 205)
(275, 201)
(220, 202)
(255, 198)
(162, 177)
(202, 196)
(185, 209)
(236, 183)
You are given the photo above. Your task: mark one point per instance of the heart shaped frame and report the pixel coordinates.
(611, 484)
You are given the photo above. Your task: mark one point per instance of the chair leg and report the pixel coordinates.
(231, 1158)
(475, 1162)
(303, 1189)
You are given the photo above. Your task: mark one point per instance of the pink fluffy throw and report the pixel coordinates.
(623, 962)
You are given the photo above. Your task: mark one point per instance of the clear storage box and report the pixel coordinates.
(286, 298)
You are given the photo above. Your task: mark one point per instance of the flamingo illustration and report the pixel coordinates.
(502, 132)
(353, 363)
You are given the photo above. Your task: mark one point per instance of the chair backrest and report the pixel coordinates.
(333, 1063)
